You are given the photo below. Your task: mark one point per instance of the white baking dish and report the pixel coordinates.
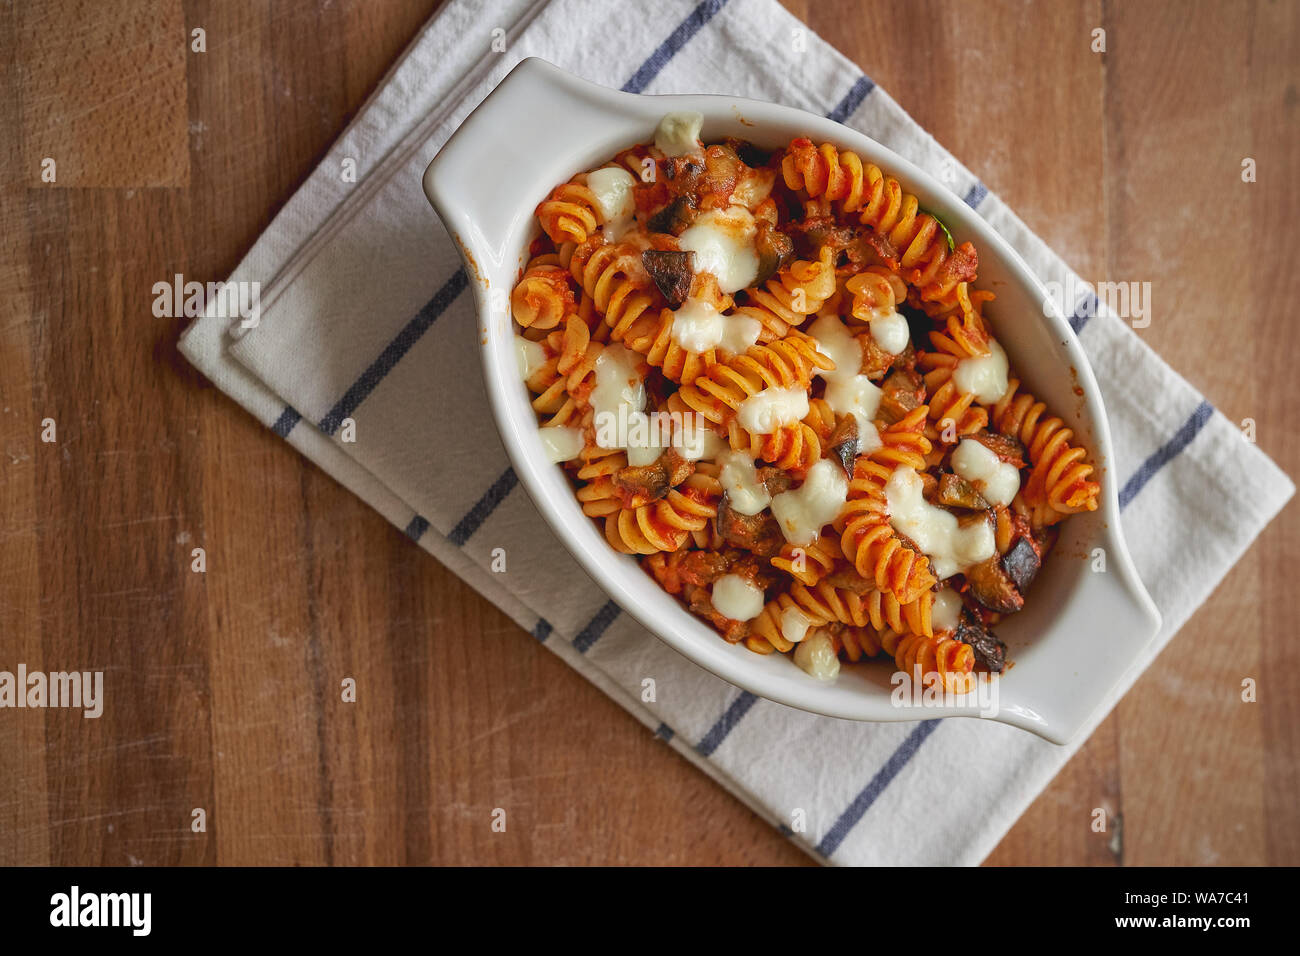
(1081, 629)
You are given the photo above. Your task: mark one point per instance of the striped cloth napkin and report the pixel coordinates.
(365, 360)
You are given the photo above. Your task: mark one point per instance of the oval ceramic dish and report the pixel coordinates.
(1080, 630)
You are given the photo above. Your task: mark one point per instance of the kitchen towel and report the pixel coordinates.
(367, 332)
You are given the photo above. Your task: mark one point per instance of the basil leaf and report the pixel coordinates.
(939, 222)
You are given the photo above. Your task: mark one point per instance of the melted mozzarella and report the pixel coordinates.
(859, 397)
(837, 343)
(868, 439)
(694, 439)
(804, 511)
(647, 437)
(753, 187)
(643, 451)
(723, 243)
(848, 392)
(737, 598)
(766, 411)
(946, 613)
(817, 657)
(698, 327)
(612, 187)
(745, 493)
(529, 356)
(994, 478)
(795, 623)
(678, 134)
(561, 443)
(985, 376)
(619, 393)
(890, 332)
(950, 547)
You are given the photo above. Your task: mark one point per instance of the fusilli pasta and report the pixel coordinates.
(772, 378)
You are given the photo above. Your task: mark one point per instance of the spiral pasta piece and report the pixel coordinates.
(544, 380)
(784, 363)
(664, 525)
(792, 447)
(936, 660)
(867, 539)
(570, 373)
(766, 633)
(812, 563)
(875, 292)
(856, 643)
(955, 413)
(821, 419)
(570, 213)
(601, 497)
(788, 298)
(1059, 483)
(875, 608)
(653, 338)
(612, 275)
(543, 296)
(966, 334)
(903, 444)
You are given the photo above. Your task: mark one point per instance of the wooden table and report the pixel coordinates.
(224, 684)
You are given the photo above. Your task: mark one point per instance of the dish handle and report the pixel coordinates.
(537, 110)
(1101, 629)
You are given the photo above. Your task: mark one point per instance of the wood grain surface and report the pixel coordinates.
(223, 683)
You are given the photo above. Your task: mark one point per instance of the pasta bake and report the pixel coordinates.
(771, 377)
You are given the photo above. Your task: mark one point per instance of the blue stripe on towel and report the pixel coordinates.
(1083, 312)
(657, 60)
(284, 424)
(718, 732)
(467, 525)
(852, 99)
(975, 195)
(596, 627)
(1165, 453)
(397, 348)
(863, 801)
(416, 528)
